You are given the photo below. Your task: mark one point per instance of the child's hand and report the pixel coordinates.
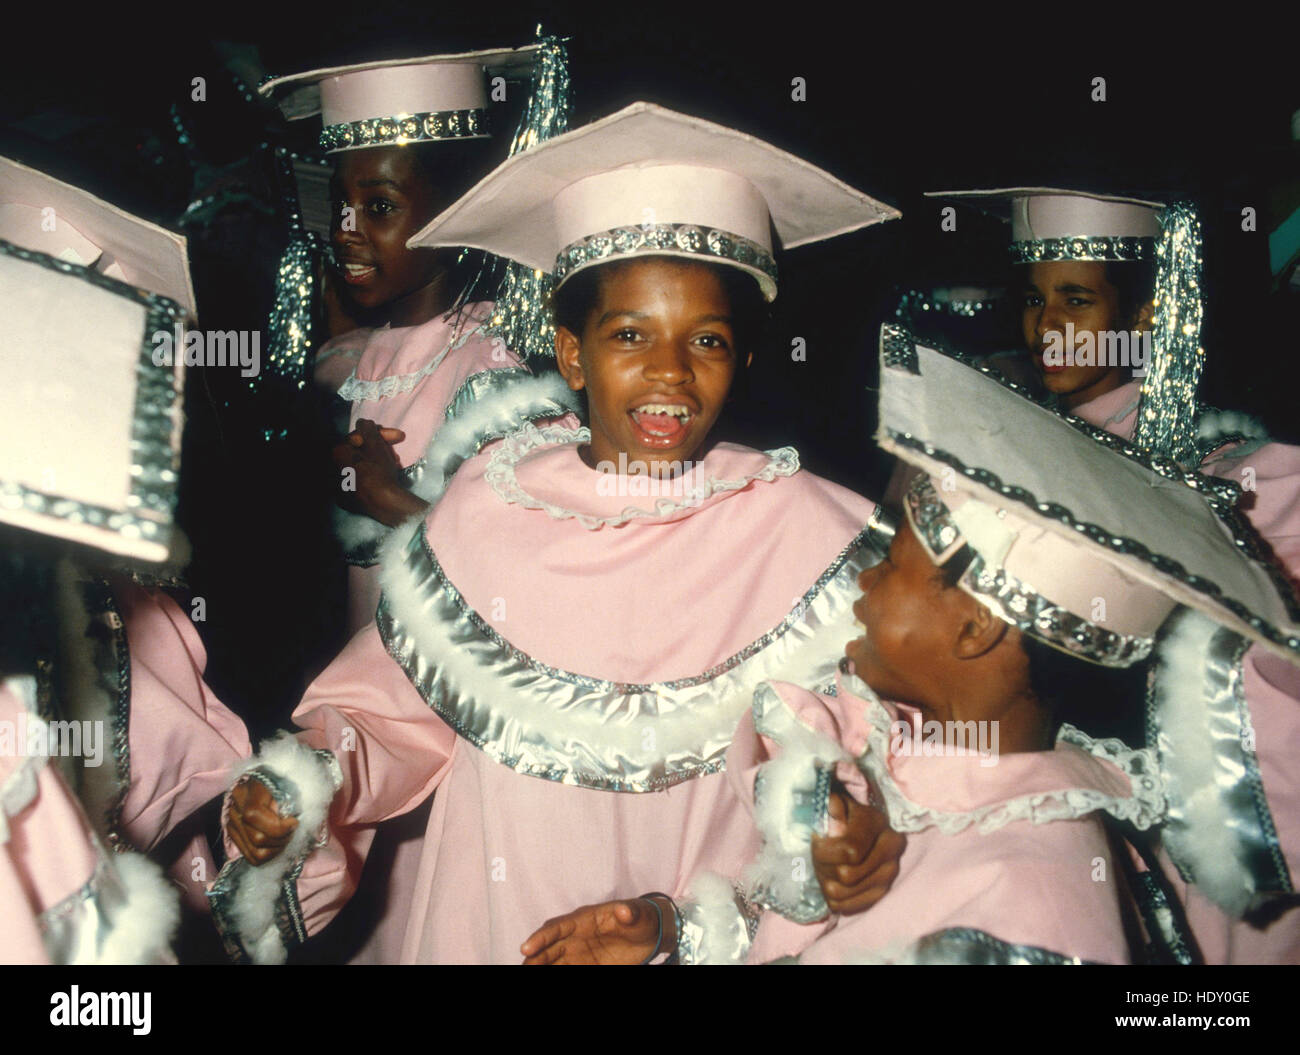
(254, 824)
(616, 932)
(380, 492)
(857, 866)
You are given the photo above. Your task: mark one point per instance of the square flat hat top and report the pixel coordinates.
(42, 213)
(651, 180)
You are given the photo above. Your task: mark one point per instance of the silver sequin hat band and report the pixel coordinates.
(402, 129)
(690, 241)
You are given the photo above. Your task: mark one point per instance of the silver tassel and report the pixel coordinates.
(289, 339)
(523, 314)
(1167, 416)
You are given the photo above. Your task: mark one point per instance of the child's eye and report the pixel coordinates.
(1078, 302)
(380, 206)
(713, 341)
(1033, 300)
(626, 335)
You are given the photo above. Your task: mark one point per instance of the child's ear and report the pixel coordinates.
(1144, 319)
(568, 353)
(980, 632)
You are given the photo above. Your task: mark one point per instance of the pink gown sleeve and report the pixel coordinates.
(369, 749)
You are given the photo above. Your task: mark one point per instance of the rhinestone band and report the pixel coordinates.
(406, 128)
(1083, 247)
(665, 238)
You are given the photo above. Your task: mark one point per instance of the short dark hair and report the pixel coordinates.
(573, 303)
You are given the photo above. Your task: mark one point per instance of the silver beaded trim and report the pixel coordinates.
(153, 470)
(1083, 247)
(1016, 602)
(406, 128)
(664, 238)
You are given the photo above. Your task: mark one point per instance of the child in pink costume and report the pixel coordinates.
(557, 652)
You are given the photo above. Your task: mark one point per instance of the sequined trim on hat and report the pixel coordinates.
(1017, 602)
(671, 238)
(1220, 494)
(1083, 247)
(401, 129)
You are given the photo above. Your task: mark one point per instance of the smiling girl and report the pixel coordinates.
(408, 137)
(563, 660)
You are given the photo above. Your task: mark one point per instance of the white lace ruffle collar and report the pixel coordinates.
(617, 498)
(356, 389)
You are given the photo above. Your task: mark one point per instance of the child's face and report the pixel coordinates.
(657, 355)
(390, 200)
(1078, 292)
(909, 614)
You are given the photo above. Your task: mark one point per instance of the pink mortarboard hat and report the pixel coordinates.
(647, 180)
(42, 213)
(1079, 544)
(1052, 224)
(89, 424)
(1108, 554)
(400, 101)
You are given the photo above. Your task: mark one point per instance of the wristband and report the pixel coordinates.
(659, 914)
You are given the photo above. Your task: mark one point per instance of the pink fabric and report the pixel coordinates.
(1023, 884)
(1272, 688)
(183, 740)
(405, 352)
(50, 853)
(338, 357)
(651, 600)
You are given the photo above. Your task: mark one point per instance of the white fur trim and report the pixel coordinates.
(488, 418)
(1203, 836)
(714, 930)
(141, 931)
(784, 780)
(459, 439)
(314, 783)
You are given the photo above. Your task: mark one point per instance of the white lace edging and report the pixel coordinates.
(500, 475)
(1144, 808)
(20, 786)
(355, 390)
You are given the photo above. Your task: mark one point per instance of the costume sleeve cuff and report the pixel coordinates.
(256, 907)
(791, 796)
(716, 923)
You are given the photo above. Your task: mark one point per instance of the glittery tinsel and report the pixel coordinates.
(289, 340)
(1167, 415)
(523, 318)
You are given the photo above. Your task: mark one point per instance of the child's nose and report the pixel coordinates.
(670, 362)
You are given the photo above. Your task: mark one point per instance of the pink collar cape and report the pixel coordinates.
(577, 630)
(397, 358)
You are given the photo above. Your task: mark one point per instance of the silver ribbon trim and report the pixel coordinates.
(1219, 794)
(587, 732)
